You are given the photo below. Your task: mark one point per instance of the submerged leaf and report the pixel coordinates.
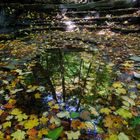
(135, 121)
(135, 58)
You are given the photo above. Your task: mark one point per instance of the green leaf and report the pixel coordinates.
(135, 121)
(74, 115)
(100, 130)
(54, 134)
(124, 113)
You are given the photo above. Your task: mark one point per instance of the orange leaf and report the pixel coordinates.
(9, 106)
(32, 132)
(8, 137)
(75, 124)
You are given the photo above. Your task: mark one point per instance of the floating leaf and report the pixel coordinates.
(117, 84)
(55, 120)
(9, 106)
(89, 125)
(127, 64)
(56, 106)
(76, 124)
(105, 110)
(6, 124)
(1, 111)
(73, 135)
(18, 135)
(93, 111)
(124, 113)
(123, 136)
(1, 136)
(100, 130)
(129, 100)
(43, 120)
(9, 117)
(16, 111)
(121, 90)
(112, 137)
(74, 115)
(126, 103)
(85, 115)
(31, 123)
(37, 95)
(32, 132)
(21, 117)
(63, 114)
(42, 132)
(54, 134)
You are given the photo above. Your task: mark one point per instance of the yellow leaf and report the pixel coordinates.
(112, 137)
(15, 111)
(22, 122)
(93, 111)
(2, 136)
(42, 132)
(51, 103)
(37, 95)
(31, 123)
(121, 91)
(21, 117)
(12, 101)
(117, 84)
(128, 64)
(82, 126)
(1, 111)
(43, 120)
(55, 120)
(105, 111)
(138, 86)
(31, 88)
(56, 106)
(72, 135)
(6, 124)
(108, 121)
(89, 125)
(33, 117)
(18, 135)
(13, 84)
(124, 113)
